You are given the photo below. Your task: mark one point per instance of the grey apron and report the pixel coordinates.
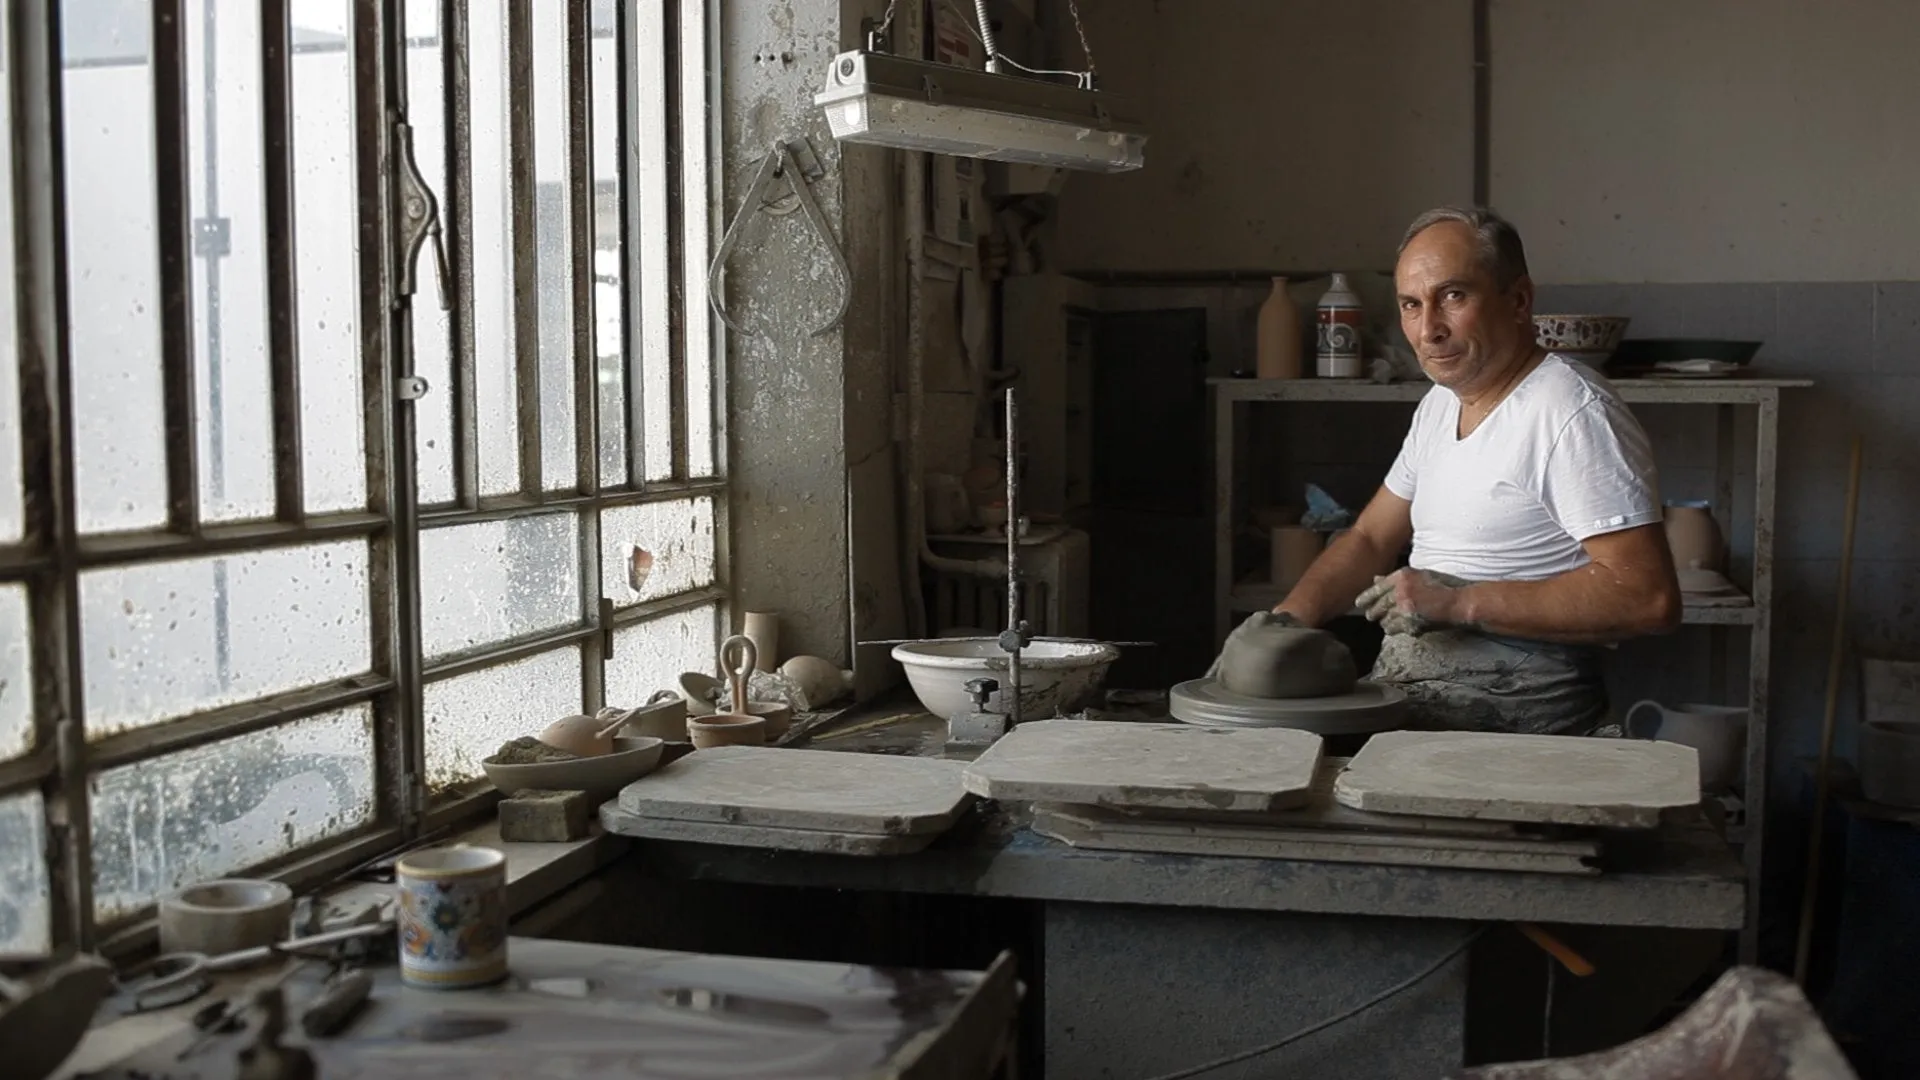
(1465, 680)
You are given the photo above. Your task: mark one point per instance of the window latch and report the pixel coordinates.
(419, 219)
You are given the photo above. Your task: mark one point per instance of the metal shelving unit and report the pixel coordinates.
(1232, 594)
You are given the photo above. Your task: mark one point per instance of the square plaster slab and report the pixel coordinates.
(771, 787)
(1559, 779)
(1158, 766)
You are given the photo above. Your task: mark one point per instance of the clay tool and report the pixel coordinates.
(339, 1001)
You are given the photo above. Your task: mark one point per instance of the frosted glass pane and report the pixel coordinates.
(498, 580)
(651, 655)
(164, 639)
(553, 246)
(113, 265)
(233, 418)
(496, 386)
(648, 186)
(469, 716)
(221, 808)
(327, 282)
(695, 165)
(16, 674)
(25, 899)
(655, 550)
(609, 276)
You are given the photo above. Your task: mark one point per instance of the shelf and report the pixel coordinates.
(1260, 595)
(1645, 391)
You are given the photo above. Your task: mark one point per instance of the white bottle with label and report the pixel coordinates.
(1338, 332)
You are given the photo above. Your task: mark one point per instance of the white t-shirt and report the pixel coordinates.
(1559, 460)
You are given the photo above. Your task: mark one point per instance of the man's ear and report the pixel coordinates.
(1522, 294)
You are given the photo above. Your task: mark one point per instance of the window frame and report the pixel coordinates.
(53, 553)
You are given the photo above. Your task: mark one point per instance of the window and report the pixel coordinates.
(319, 480)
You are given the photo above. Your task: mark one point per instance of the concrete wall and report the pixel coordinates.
(1282, 133)
(807, 413)
(1708, 140)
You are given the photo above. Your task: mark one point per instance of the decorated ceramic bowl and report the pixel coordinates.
(1589, 337)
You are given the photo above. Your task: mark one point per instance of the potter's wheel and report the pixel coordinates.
(1370, 707)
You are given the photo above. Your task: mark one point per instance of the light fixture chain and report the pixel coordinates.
(1073, 8)
(886, 23)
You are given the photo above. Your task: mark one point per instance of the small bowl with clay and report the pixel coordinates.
(527, 764)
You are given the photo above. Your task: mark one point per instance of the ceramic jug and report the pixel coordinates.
(1277, 336)
(1717, 732)
(1693, 536)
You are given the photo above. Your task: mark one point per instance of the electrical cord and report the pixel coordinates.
(1404, 984)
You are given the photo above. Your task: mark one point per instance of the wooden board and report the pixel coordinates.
(1101, 829)
(824, 790)
(1180, 766)
(819, 841)
(1561, 779)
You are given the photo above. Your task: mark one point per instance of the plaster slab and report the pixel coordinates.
(1565, 780)
(1176, 766)
(815, 841)
(1103, 830)
(781, 788)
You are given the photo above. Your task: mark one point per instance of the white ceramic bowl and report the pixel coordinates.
(1056, 677)
(1590, 338)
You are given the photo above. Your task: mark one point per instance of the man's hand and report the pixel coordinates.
(1410, 601)
(1254, 621)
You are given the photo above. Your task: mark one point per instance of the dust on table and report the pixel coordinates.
(527, 750)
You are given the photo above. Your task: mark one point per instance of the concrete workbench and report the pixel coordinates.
(1155, 963)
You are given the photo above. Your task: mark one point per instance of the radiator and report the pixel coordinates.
(1053, 589)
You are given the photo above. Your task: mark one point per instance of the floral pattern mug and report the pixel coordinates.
(452, 917)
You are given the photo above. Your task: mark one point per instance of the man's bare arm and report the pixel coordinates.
(1628, 590)
(1349, 564)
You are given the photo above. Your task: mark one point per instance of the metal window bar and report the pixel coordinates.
(524, 204)
(677, 258)
(457, 210)
(168, 52)
(276, 71)
(53, 555)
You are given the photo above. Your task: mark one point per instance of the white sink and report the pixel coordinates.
(1056, 677)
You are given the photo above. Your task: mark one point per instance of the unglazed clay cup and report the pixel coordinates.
(726, 729)
(452, 917)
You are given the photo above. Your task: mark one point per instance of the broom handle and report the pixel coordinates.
(1821, 780)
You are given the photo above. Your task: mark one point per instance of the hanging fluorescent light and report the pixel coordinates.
(885, 100)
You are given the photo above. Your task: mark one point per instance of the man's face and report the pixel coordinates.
(1463, 327)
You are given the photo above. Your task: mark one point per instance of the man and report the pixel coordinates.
(1528, 493)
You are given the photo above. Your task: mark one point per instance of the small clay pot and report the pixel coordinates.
(726, 729)
(778, 716)
(1693, 536)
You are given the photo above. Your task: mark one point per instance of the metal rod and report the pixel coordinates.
(199, 729)
(174, 227)
(283, 345)
(632, 277)
(386, 353)
(503, 507)
(31, 769)
(122, 549)
(1015, 626)
(680, 268)
(465, 391)
(46, 389)
(523, 199)
(586, 362)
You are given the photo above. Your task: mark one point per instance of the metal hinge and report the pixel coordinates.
(414, 803)
(417, 217)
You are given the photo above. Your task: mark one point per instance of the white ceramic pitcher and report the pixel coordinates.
(1717, 732)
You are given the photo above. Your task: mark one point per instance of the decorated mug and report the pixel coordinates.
(452, 917)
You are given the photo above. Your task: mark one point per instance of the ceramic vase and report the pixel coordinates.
(452, 917)
(1294, 549)
(1693, 536)
(1337, 332)
(1277, 337)
(763, 629)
